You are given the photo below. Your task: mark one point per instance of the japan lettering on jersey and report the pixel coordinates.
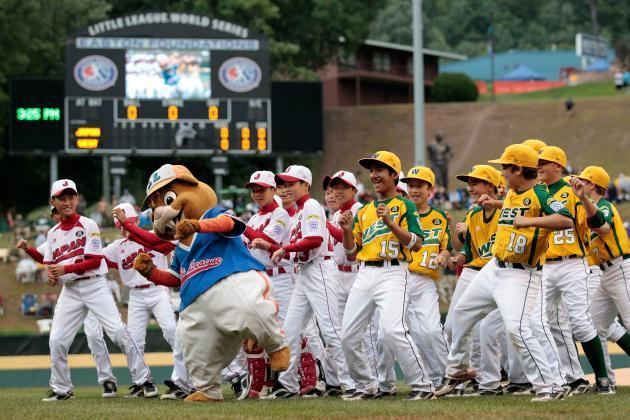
(480, 236)
(123, 252)
(311, 222)
(341, 258)
(276, 225)
(437, 238)
(73, 245)
(525, 245)
(569, 241)
(615, 243)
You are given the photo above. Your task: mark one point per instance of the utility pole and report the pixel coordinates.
(491, 53)
(418, 84)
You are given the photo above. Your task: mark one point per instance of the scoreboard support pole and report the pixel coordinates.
(107, 191)
(279, 164)
(54, 168)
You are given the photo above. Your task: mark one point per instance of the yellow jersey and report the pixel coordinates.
(563, 243)
(525, 245)
(375, 240)
(615, 243)
(437, 238)
(480, 237)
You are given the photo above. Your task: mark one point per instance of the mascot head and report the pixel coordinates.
(174, 194)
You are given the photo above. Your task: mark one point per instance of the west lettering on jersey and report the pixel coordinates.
(509, 214)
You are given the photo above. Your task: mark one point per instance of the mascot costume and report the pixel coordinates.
(225, 293)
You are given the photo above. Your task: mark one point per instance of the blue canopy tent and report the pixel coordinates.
(599, 65)
(522, 72)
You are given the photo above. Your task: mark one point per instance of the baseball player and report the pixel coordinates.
(382, 236)
(344, 185)
(511, 281)
(610, 243)
(75, 259)
(330, 199)
(146, 299)
(424, 310)
(91, 327)
(271, 226)
(565, 278)
(315, 292)
(479, 232)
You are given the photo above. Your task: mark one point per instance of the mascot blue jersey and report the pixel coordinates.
(210, 258)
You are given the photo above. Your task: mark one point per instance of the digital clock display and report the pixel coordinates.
(37, 114)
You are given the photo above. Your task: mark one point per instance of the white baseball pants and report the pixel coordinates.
(613, 296)
(315, 293)
(75, 300)
(212, 328)
(385, 288)
(94, 335)
(155, 300)
(513, 292)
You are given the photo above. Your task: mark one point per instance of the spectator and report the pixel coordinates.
(126, 197)
(619, 82)
(569, 107)
(28, 306)
(82, 206)
(1, 306)
(25, 270)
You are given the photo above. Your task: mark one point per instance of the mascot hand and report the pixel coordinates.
(186, 228)
(143, 264)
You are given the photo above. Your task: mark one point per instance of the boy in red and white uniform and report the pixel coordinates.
(315, 290)
(146, 298)
(75, 259)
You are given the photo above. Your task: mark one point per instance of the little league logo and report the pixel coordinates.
(95, 73)
(240, 74)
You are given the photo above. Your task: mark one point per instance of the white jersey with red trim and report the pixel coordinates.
(122, 252)
(71, 246)
(276, 225)
(341, 258)
(310, 221)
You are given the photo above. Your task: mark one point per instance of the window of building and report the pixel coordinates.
(381, 61)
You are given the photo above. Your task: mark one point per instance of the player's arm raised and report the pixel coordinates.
(595, 219)
(557, 216)
(408, 239)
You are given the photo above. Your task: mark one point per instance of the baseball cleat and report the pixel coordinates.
(580, 386)
(109, 389)
(420, 395)
(279, 393)
(605, 387)
(149, 390)
(135, 391)
(198, 397)
(240, 386)
(457, 392)
(174, 392)
(450, 383)
(360, 395)
(53, 396)
(555, 395)
(385, 394)
(514, 388)
(333, 391)
(488, 392)
(348, 393)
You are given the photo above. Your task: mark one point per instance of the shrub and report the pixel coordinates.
(454, 87)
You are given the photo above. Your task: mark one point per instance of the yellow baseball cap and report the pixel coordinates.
(535, 144)
(518, 154)
(502, 183)
(383, 157)
(483, 172)
(597, 175)
(553, 154)
(422, 173)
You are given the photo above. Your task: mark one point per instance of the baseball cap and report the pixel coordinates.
(296, 173)
(484, 173)
(346, 177)
(167, 174)
(518, 154)
(326, 182)
(383, 157)
(553, 154)
(422, 173)
(535, 144)
(597, 175)
(129, 211)
(402, 187)
(263, 178)
(61, 185)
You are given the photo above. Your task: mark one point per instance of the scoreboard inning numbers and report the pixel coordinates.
(164, 83)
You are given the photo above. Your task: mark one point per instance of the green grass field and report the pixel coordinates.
(26, 404)
(588, 90)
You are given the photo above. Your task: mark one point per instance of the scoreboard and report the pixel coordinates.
(167, 83)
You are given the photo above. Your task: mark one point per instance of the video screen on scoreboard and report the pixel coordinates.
(167, 74)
